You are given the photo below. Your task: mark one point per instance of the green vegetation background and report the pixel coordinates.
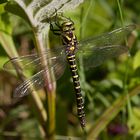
(101, 86)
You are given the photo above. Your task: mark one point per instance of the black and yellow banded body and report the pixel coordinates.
(70, 42)
(76, 82)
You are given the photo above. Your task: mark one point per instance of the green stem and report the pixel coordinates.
(50, 87)
(110, 114)
(125, 86)
(51, 117)
(120, 11)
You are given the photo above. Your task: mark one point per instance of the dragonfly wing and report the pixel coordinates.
(111, 38)
(24, 88)
(23, 62)
(32, 61)
(96, 50)
(98, 55)
(38, 80)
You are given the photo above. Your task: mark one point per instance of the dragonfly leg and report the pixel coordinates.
(55, 31)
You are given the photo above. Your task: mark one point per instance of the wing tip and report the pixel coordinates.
(6, 66)
(18, 93)
(131, 27)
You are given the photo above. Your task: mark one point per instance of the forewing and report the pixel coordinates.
(32, 61)
(23, 62)
(98, 49)
(114, 37)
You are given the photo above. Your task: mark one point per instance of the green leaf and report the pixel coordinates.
(30, 128)
(110, 113)
(5, 33)
(133, 122)
(5, 24)
(16, 10)
(38, 11)
(136, 62)
(3, 1)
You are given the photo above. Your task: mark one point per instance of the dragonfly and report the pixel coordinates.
(94, 51)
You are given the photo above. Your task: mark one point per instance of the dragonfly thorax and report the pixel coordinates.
(68, 37)
(65, 28)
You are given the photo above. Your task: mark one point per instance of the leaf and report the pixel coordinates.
(30, 128)
(133, 122)
(110, 113)
(41, 10)
(5, 24)
(136, 62)
(16, 10)
(3, 1)
(5, 33)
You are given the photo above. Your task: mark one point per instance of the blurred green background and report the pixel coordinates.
(105, 88)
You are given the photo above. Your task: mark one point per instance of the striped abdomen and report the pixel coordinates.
(79, 98)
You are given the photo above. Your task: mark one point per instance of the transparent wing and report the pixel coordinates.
(38, 80)
(101, 54)
(98, 49)
(111, 38)
(24, 88)
(56, 63)
(33, 61)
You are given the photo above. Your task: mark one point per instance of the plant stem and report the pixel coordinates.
(50, 85)
(110, 113)
(120, 12)
(51, 112)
